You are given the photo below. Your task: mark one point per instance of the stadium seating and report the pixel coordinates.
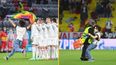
(91, 7)
(37, 8)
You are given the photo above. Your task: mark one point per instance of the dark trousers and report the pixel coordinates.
(83, 55)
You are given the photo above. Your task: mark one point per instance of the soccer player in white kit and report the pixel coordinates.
(36, 40)
(45, 40)
(51, 35)
(55, 38)
(40, 30)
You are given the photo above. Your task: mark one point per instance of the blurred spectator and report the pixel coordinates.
(91, 21)
(71, 19)
(108, 10)
(45, 1)
(94, 16)
(29, 2)
(3, 39)
(108, 26)
(10, 39)
(3, 1)
(38, 1)
(0, 19)
(65, 4)
(83, 15)
(78, 7)
(1, 22)
(71, 27)
(81, 29)
(82, 1)
(99, 9)
(71, 5)
(86, 1)
(0, 36)
(105, 2)
(89, 1)
(25, 41)
(3, 11)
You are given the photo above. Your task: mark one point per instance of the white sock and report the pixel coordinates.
(53, 52)
(37, 53)
(33, 52)
(56, 52)
(40, 53)
(49, 52)
(56, 48)
(47, 56)
(44, 53)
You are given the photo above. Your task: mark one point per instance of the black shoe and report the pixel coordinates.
(81, 58)
(84, 59)
(6, 58)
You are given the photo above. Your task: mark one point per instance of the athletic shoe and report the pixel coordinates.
(91, 60)
(32, 59)
(84, 59)
(24, 53)
(38, 59)
(6, 58)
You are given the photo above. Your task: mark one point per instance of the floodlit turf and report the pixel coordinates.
(19, 59)
(102, 57)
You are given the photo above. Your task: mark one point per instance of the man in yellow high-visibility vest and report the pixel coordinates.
(87, 39)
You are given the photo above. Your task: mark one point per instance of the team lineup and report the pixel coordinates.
(43, 36)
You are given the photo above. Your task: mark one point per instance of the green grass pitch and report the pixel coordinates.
(102, 57)
(19, 59)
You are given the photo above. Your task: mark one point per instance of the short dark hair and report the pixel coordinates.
(54, 20)
(22, 23)
(98, 27)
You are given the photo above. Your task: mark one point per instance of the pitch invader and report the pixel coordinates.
(20, 32)
(93, 45)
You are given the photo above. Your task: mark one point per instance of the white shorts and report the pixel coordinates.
(36, 40)
(43, 43)
(48, 41)
(56, 42)
(53, 41)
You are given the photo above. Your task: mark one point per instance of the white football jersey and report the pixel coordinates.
(40, 31)
(55, 28)
(50, 30)
(98, 34)
(45, 31)
(20, 32)
(34, 31)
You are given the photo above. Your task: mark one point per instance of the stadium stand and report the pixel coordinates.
(66, 14)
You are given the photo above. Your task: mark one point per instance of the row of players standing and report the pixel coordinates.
(43, 36)
(44, 39)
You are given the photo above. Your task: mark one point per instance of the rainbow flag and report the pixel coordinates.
(25, 15)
